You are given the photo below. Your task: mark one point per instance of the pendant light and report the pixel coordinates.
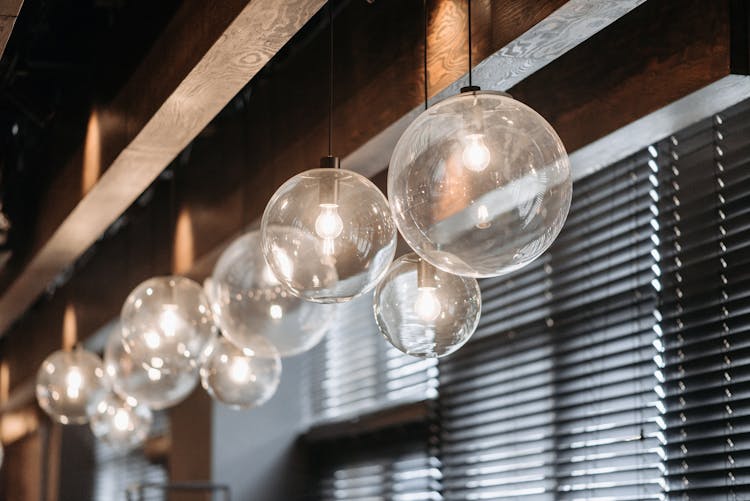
(241, 378)
(66, 383)
(327, 233)
(120, 424)
(155, 381)
(421, 310)
(479, 183)
(426, 312)
(167, 321)
(248, 301)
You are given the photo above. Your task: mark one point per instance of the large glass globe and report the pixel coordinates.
(168, 318)
(121, 425)
(154, 381)
(424, 311)
(479, 184)
(66, 382)
(328, 235)
(249, 301)
(241, 377)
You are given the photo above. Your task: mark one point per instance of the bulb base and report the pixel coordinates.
(330, 162)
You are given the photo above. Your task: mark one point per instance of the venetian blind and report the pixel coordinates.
(705, 361)
(554, 397)
(354, 371)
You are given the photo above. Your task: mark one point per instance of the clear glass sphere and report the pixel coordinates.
(479, 184)
(66, 382)
(241, 377)
(154, 381)
(169, 318)
(424, 311)
(328, 235)
(249, 301)
(120, 424)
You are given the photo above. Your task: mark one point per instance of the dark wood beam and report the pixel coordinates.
(9, 10)
(207, 53)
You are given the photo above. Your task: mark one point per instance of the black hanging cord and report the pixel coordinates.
(424, 54)
(330, 78)
(469, 23)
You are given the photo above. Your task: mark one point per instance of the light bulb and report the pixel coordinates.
(67, 382)
(239, 370)
(120, 423)
(248, 300)
(154, 380)
(122, 420)
(73, 382)
(328, 224)
(168, 320)
(480, 184)
(315, 254)
(276, 312)
(241, 378)
(427, 304)
(483, 217)
(423, 311)
(476, 155)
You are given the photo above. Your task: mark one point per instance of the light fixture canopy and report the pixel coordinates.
(66, 383)
(479, 184)
(327, 235)
(241, 378)
(426, 312)
(248, 301)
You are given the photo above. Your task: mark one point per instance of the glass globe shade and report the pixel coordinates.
(327, 235)
(169, 318)
(241, 377)
(424, 311)
(66, 382)
(155, 382)
(121, 425)
(249, 301)
(479, 184)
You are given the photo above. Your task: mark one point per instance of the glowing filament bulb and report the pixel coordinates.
(239, 371)
(483, 217)
(276, 312)
(328, 226)
(476, 155)
(427, 306)
(168, 320)
(122, 420)
(73, 383)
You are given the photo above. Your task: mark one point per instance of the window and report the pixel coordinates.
(617, 366)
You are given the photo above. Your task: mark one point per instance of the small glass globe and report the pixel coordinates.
(155, 382)
(169, 318)
(241, 377)
(249, 301)
(328, 235)
(66, 382)
(121, 425)
(426, 312)
(479, 184)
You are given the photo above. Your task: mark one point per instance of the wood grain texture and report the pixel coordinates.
(540, 43)
(654, 64)
(206, 55)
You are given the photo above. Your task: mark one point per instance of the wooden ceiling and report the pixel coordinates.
(589, 67)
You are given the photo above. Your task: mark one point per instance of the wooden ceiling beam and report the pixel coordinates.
(208, 52)
(9, 10)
